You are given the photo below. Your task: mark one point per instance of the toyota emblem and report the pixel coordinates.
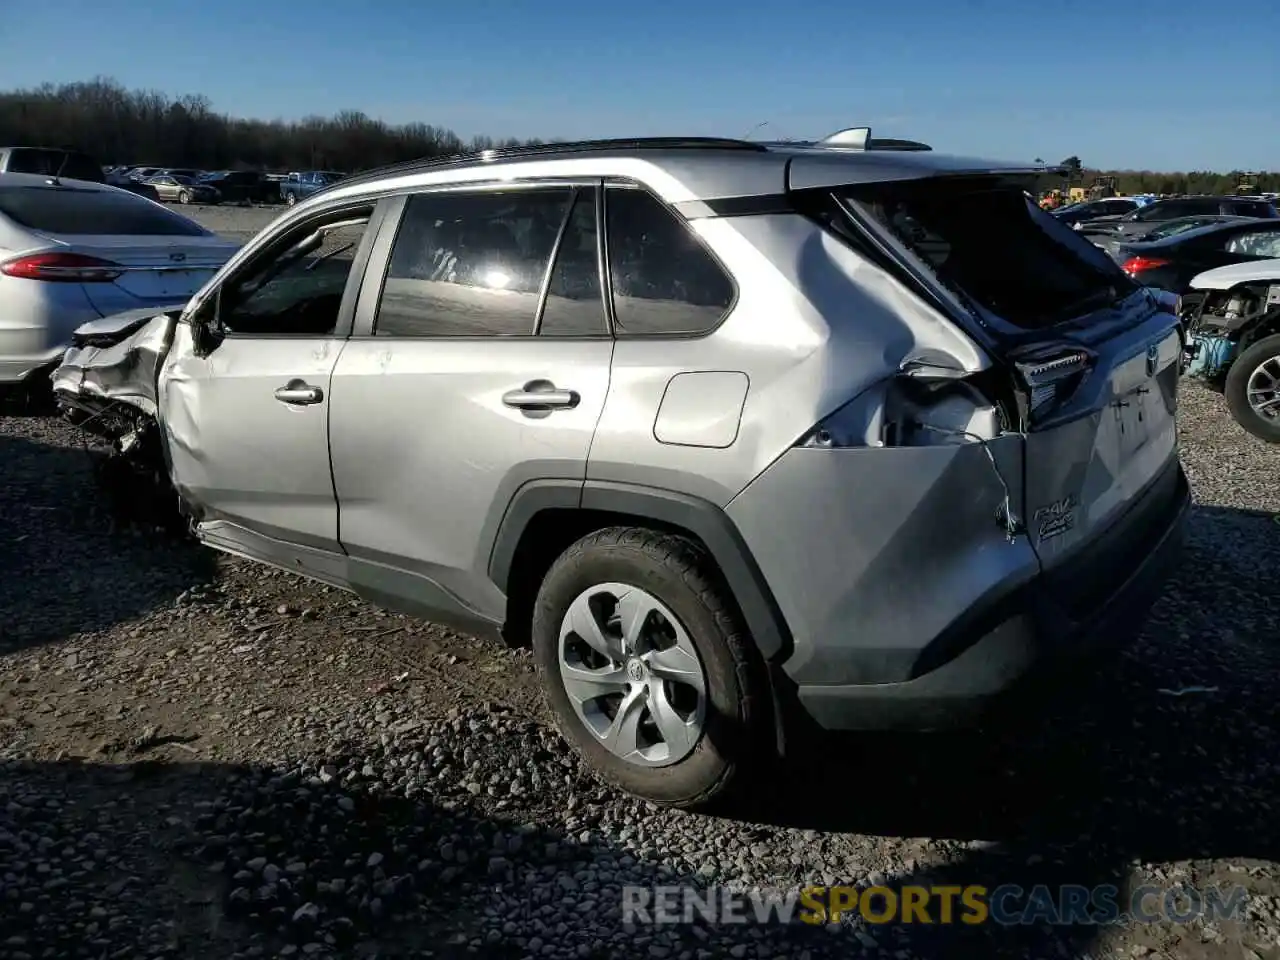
(1153, 359)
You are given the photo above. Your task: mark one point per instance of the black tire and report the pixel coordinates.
(290, 199)
(184, 197)
(679, 573)
(1236, 389)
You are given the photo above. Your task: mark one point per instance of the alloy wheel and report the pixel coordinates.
(1263, 389)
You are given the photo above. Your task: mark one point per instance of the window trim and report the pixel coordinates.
(355, 279)
(626, 183)
(366, 310)
(606, 303)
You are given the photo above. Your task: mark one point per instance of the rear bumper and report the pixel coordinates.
(20, 370)
(1068, 615)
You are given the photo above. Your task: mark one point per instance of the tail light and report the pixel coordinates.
(62, 267)
(1050, 377)
(1136, 265)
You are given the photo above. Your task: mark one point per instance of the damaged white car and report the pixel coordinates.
(1232, 317)
(734, 434)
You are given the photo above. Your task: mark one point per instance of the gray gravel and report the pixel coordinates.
(201, 758)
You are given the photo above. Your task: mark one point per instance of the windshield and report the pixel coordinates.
(92, 212)
(986, 242)
(1177, 226)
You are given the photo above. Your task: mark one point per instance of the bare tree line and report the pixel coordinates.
(118, 125)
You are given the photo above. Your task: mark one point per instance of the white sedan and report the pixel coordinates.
(72, 252)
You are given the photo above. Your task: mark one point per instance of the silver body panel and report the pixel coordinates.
(410, 477)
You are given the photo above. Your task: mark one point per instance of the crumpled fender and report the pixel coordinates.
(117, 359)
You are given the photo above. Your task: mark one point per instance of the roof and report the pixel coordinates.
(46, 180)
(684, 169)
(1224, 278)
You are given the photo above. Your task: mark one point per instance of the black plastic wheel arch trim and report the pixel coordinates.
(699, 517)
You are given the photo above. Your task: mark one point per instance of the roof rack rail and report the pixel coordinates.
(555, 149)
(859, 138)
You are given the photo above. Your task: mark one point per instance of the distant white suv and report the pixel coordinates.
(735, 432)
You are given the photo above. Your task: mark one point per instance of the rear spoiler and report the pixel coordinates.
(827, 167)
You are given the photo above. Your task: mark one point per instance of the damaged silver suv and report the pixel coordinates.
(735, 434)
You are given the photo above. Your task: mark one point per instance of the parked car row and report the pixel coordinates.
(224, 186)
(1221, 257)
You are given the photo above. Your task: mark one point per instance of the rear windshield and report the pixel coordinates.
(92, 213)
(989, 243)
(75, 166)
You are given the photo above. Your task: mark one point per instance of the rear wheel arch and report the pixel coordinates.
(545, 517)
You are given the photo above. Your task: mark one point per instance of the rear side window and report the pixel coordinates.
(665, 282)
(987, 242)
(1250, 208)
(93, 213)
(471, 264)
(63, 163)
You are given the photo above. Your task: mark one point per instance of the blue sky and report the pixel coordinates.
(1136, 83)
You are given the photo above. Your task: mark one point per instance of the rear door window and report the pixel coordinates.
(84, 212)
(986, 242)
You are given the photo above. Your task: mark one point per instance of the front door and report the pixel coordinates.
(247, 422)
(479, 364)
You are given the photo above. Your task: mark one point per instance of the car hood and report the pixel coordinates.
(1224, 278)
(118, 326)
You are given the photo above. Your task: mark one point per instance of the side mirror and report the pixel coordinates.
(206, 327)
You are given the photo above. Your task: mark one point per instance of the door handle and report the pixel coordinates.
(299, 393)
(541, 395)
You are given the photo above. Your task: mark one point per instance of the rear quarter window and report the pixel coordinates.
(64, 210)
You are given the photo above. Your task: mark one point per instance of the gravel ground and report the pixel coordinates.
(201, 758)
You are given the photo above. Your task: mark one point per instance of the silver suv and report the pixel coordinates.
(733, 433)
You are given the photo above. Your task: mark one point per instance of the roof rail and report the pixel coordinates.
(859, 138)
(555, 149)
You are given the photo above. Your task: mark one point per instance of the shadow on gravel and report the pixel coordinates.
(69, 565)
(1123, 767)
(352, 859)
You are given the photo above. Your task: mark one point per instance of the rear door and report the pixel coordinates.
(480, 362)
(1099, 362)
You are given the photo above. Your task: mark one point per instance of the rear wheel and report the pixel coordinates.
(290, 199)
(646, 667)
(1253, 389)
(184, 197)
